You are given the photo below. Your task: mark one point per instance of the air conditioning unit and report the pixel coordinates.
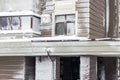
(22, 23)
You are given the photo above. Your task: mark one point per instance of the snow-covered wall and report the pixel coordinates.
(88, 68)
(19, 5)
(45, 70)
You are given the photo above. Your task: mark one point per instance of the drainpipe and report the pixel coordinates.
(52, 60)
(107, 17)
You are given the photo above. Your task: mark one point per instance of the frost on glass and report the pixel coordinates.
(70, 17)
(60, 18)
(16, 23)
(10, 23)
(19, 5)
(20, 23)
(36, 24)
(70, 29)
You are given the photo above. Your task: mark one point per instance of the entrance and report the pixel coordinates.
(29, 68)
(69, 68)
(100, 68)
(107, 68)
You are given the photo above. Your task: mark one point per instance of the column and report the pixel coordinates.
(88, 68)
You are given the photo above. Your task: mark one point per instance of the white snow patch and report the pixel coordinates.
(19, 13)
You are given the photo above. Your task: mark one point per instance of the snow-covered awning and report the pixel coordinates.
(39, 47)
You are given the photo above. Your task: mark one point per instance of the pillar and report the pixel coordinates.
(88, 68)
(47, 68)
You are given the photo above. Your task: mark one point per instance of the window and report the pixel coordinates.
(19, 23)
(4, 23)
(15, 23)
(10, 23)
(65, 25)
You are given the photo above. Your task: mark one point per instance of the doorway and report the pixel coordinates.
(69, 68)
(29, 68)
(107, 68)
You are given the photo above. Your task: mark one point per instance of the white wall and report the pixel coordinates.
(44, 69)
(16, 5)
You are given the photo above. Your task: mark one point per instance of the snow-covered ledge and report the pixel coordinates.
(38, 47)
(19, 13)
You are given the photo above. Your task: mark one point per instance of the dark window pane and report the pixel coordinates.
(4, 23)
(59, 29)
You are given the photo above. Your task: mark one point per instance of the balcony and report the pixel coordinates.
(19, 24)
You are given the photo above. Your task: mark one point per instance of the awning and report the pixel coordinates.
(59, 47)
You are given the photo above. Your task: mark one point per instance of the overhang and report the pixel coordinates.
(56, 47)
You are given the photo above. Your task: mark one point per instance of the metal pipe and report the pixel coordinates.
(52, 60)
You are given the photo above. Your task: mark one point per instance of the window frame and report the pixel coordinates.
(10, 23)
(65, 24)
(19, 22)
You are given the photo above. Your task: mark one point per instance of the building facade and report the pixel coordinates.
(59, 40)
(81, 15)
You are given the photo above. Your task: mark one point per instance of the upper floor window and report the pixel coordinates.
(65, 25)
(10, 23)
(21, 22)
